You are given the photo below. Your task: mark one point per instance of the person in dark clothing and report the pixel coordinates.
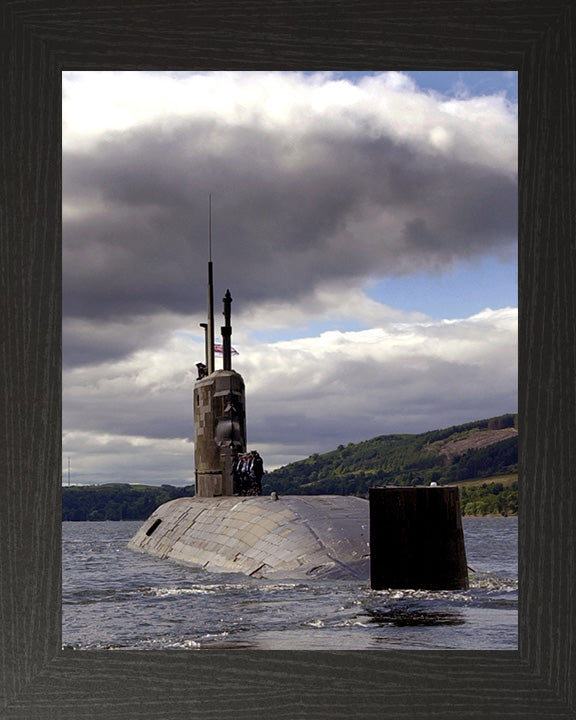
(240, 472)
(256, 471)
(251, 487)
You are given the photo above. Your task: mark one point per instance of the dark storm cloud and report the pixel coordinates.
(148, 250)
(83, 349)
(94, 342)
(289, 213)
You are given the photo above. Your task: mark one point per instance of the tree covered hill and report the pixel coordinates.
(479, 449)
(117, 501)
(474, 450)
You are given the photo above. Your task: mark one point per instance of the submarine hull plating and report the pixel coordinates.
(292, 537)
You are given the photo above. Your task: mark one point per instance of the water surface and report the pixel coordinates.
(116, 598)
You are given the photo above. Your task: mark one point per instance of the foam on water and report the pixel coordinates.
(115, 599)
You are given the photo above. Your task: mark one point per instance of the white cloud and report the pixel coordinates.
(327, 303)
(104, 458)
(480, 130)
(304, 395)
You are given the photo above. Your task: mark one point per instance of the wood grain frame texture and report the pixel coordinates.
(40, 38)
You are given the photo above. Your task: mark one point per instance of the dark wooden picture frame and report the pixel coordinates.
(40, 39)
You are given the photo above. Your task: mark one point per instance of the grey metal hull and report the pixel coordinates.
(292, 537)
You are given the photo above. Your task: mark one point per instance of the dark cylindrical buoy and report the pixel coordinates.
(416, 539)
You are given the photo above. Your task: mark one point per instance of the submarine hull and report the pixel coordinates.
(295, 536)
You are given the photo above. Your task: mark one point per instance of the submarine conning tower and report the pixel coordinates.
(219, 410)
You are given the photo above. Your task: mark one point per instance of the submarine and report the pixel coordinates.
(401, 537)
(222, 530)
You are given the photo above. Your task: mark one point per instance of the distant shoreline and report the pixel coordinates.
(492, 515)
(496, 496)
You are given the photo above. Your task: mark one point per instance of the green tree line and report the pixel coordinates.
(125, 502)
(117, 501)
(489, 499)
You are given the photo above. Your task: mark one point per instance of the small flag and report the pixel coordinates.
(219, 350)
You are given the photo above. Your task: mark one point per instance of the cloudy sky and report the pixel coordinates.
(365, 223)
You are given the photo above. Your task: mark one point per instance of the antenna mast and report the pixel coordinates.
(210, 338)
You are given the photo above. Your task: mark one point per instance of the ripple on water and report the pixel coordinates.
(119, 600)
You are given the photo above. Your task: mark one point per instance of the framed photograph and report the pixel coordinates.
(40, 679)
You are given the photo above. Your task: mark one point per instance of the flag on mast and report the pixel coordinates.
(219, 350)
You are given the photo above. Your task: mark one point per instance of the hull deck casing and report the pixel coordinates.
(291, 537)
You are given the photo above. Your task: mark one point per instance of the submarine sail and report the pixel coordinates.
(219, 410)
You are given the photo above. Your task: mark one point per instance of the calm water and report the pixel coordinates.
(115, 598)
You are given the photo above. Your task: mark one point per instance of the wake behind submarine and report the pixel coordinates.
(220, 529)
(408, 537)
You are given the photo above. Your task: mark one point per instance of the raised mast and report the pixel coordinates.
(210, 328)
(226, 334)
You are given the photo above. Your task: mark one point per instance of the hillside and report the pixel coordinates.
(474, 450)
(481, 456)
(117, 501)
